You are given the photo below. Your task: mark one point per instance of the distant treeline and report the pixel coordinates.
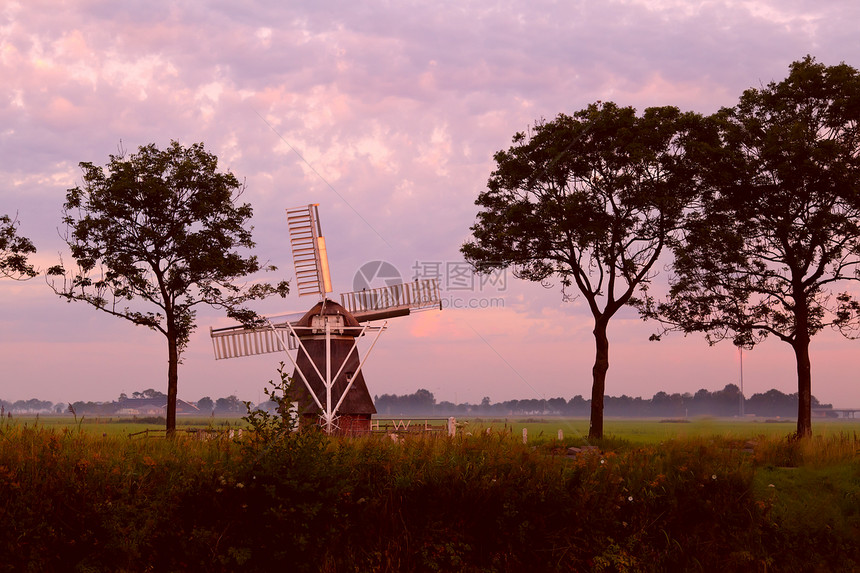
(147, 402)
(725, 402)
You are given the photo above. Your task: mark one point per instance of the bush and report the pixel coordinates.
(309, 502)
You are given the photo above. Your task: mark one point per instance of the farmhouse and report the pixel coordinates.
(152, 406)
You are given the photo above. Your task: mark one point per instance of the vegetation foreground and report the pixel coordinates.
(77, 501)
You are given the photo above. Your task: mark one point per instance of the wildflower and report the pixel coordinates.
(714, 476)
(770, 485)
(602, 461)
(630, 498)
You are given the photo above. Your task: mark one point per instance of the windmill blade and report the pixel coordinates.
(309, 252)
(366, 305)
(393, 300)
(237, 341)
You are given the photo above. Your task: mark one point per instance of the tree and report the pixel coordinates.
(229, 405)
(779, 227)
(206, 405)
(591, 199)
(155, 237)
(14, 249)
(148, 393)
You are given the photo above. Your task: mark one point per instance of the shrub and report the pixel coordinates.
(309, 502)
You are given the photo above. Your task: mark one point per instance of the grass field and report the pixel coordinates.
(78, 494)
(651, 431)
(539, 429)
(119, 426)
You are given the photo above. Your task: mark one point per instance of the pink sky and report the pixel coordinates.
(397, 109)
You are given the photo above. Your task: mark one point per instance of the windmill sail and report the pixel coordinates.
(392, 300)
(237, 341)
(365, 306)
(309, 253)
(312, 278)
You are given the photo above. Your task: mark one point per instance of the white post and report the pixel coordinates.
(452, 426)
(560, 434)
(525, 435)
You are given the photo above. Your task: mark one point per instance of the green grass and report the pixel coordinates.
(654, 497)
(540, 429)
(124, 426)
(652, 431)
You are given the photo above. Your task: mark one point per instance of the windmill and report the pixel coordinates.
(328, 379)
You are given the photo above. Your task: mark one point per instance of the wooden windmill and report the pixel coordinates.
(328, 380)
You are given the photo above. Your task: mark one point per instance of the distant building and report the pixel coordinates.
(152, 407)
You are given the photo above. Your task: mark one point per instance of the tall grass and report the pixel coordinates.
(71, 500)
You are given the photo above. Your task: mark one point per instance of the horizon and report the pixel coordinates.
(388, 117)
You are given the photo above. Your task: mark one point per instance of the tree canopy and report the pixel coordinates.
(591, 199)
(14, 250)
(155, 236)
(778, 233)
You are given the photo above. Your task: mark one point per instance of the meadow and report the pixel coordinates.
(709, 495)
(654, 431)
(540, 428)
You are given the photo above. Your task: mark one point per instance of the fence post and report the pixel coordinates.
(452, 426)
(560, 434)
(525, 435)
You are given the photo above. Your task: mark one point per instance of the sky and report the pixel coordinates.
(387, 114)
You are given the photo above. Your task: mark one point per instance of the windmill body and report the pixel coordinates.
(329, 336)
(328, 383)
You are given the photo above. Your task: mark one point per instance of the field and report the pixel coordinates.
(709, 495)
(125, 426)
(650, 431)
(539, 428)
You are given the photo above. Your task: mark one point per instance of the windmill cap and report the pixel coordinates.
(328, 309)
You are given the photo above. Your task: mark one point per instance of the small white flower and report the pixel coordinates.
(602, 461)
(630, 498)
(714, 476)
(770, 485)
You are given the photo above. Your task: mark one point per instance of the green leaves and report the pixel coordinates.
(780, 211)
(154, 235)
(778, 220)
(164, 227)
(14, 250)
(589, 198)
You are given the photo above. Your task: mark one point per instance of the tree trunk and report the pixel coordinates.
(172, 383)
(800, 344)
(598, 374)
(804, 386)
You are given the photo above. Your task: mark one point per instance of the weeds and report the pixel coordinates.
(309, 502)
